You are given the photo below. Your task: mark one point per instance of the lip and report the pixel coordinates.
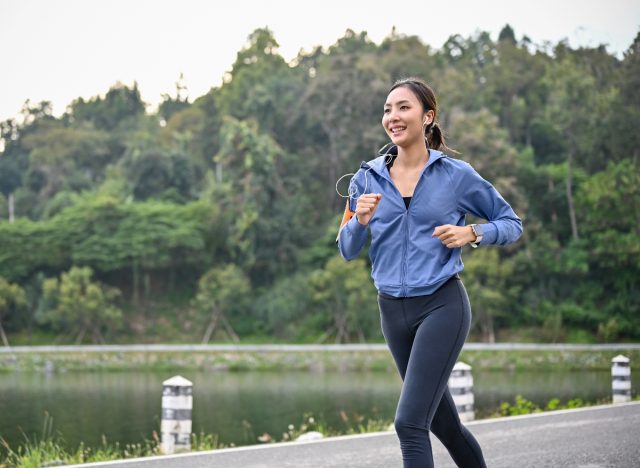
(398, 129)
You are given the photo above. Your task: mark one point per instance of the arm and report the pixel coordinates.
(480, 198)
(352, 235)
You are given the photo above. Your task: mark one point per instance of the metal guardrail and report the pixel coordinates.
(286, 348)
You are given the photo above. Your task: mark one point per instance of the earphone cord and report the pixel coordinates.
(352, 191)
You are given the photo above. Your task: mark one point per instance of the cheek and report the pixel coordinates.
(384, 122)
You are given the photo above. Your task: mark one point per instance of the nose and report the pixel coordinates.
(391, 116)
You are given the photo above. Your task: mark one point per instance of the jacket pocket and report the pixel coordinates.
(445, 255)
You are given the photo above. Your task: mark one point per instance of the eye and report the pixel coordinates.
(386, 111)
(404, 107)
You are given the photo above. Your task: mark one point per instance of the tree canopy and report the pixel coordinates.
(121, 223)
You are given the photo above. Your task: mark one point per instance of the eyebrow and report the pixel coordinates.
(404, 101)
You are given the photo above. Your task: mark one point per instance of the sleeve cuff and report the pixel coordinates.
(355, 228)
(489, 234)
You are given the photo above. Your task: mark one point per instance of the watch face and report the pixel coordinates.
(477, 228)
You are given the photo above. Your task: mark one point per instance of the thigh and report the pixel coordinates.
(398, 336)
(436, 346)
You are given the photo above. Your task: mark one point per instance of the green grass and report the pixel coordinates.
(48, 450)
(313, 361)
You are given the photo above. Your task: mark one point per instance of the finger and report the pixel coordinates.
(364, 209)
(454, 244)
(447, 235)
(370, 203)
(440, 229)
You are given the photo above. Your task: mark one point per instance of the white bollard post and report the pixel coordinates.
(621, 379)
(461, 388)
(177, 402)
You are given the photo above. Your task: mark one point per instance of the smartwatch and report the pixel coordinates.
(477, 230)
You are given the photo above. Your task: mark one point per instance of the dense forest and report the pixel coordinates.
(214, 218)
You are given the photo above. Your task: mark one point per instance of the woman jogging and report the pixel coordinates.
(413, 199)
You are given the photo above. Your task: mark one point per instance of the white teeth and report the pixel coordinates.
(397, 129)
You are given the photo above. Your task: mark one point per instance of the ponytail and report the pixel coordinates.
(434, 136)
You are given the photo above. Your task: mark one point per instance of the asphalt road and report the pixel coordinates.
(602, 436)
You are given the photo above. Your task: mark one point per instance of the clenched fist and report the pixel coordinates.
(366, 207)
(454, 237)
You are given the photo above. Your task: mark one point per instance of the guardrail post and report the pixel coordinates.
(177, 402)
(461, 388)
(621, 379)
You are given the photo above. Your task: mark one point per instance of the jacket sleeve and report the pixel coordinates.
(352, 235)
(480, 198)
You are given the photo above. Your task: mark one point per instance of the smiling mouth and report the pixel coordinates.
(396, 130)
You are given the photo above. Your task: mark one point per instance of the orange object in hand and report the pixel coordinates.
(348, 214)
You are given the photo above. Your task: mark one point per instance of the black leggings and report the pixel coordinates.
(425, 335)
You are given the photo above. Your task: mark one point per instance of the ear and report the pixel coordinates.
(428, 117)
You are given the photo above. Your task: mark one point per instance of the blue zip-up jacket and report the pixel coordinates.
(406, 260)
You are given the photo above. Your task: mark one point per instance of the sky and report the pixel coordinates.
(59, 50)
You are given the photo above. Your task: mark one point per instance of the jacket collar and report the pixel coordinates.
(378, 165)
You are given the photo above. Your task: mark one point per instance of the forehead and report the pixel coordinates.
(401, 93)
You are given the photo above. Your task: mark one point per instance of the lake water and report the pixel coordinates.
(125, 407)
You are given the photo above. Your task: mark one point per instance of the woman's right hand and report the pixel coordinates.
(366, 207)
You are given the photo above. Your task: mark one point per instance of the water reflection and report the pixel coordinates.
(125, 407)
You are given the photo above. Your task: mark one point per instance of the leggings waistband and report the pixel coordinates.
(388, 296)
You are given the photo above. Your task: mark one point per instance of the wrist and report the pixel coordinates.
(472, 235)
(478, 233)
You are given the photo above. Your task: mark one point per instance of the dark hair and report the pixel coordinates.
(433, 133)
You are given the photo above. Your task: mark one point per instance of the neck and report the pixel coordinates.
(414, 156)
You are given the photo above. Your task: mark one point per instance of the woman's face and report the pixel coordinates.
(403, 118)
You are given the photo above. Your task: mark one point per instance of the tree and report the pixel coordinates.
(220, 290)
(485, 145)
(12, 299)
(170, 105)
(403, 56)
(10, 180)
(507, 34)
(570, 109)
(515, 91)
(487, 279)
(78, 305)
(625, 121)
(610, 210)
(339, 104)
(256, 202)
(14, 158)
(259, 84)
(66, 158)
(120, 105)
(345, 295)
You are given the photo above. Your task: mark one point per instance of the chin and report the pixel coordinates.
(397, 141)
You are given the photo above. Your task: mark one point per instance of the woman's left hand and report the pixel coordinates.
(454, 237)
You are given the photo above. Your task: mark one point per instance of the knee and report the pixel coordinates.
(408, 429)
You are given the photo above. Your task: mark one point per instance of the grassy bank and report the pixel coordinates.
(314, 361)
(49, 449)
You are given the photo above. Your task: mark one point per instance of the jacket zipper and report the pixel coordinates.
(406, 239)
(404, 254)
